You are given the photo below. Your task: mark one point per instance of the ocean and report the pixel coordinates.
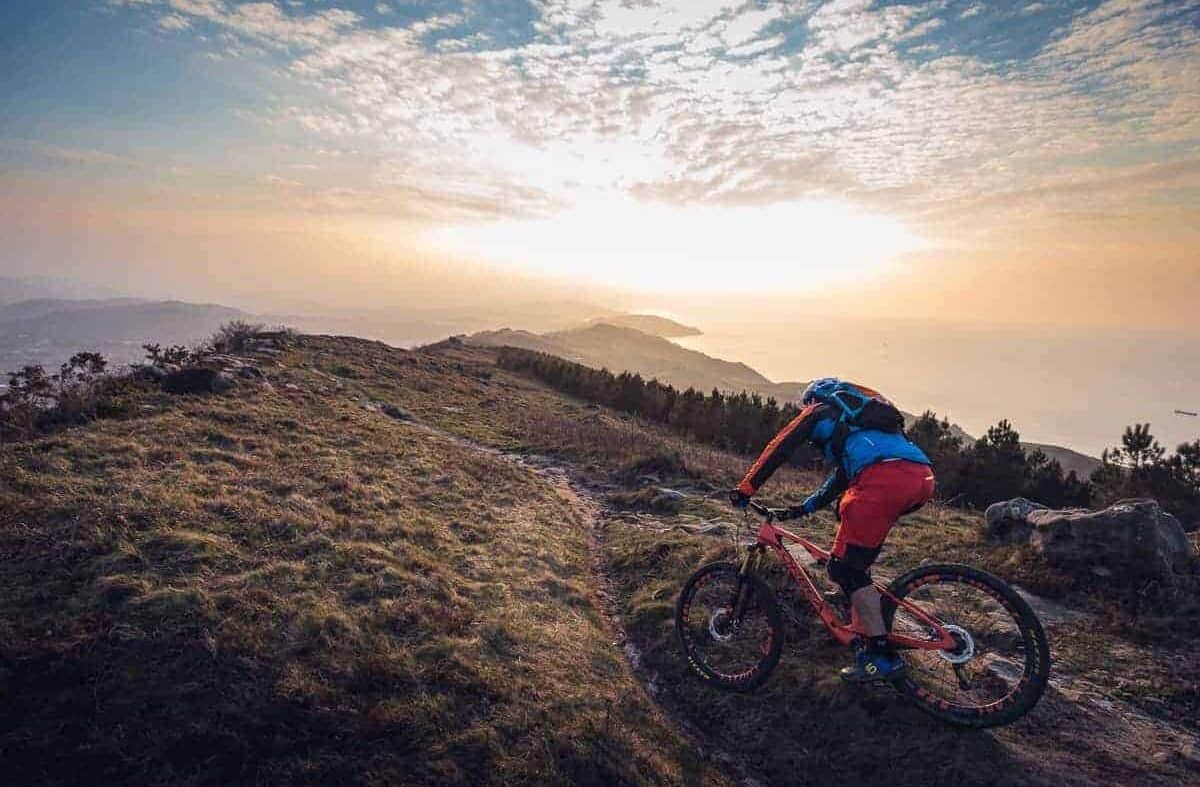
(1073, 387)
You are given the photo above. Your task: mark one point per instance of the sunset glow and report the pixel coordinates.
(654, 145)
(660, 248)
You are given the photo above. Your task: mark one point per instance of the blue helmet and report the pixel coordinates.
(818, 390)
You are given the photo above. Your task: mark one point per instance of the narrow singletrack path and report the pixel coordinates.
(1075, 723)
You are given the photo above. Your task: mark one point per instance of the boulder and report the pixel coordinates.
(197, 380)
(1130, 538)
(1007, 522)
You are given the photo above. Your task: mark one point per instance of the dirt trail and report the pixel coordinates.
(585, 496)
(1078, 734)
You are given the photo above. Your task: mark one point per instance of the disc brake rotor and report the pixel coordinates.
(966, 645)
(718, 623)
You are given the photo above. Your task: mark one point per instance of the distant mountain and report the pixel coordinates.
(40, 307)
(649, 323)
(48, 331)
(620, 349)
(13, 289)
(1082, 464)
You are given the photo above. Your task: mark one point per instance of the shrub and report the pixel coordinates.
(79, 386)
(177, 355)
(30, 390)
(234, 336)
(36, 402)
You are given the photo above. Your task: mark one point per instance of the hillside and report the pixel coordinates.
(1082, 464)
(394, 567)
(286, 586)
(627, 349)
(48, 331)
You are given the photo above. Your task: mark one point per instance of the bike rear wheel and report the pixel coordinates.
(1001, 663)
(729, 627)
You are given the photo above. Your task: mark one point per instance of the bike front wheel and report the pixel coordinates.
(729, 627)
(1001, 662)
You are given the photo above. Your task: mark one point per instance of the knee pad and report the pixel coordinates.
(848, 574)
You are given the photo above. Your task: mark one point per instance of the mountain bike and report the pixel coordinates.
(977, 654)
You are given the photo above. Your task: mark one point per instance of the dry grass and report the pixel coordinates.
(287, 585)
(507, 411)
(280, 586)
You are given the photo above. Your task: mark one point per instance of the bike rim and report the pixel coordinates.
(729, 649)
(995, 656)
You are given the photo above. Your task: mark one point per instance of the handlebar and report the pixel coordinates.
(771, 514)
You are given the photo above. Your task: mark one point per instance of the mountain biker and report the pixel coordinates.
(881, 476)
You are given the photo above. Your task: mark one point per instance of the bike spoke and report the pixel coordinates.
(730, 645)
(990, 662)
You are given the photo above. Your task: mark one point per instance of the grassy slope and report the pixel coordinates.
(1123, 659)
(620, 348)
(283, 586)
(1134, 659)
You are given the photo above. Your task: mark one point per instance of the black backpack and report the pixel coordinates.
(860, 407)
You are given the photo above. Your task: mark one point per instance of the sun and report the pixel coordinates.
(618, 241)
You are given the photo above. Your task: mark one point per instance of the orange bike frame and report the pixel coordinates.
(770, 535)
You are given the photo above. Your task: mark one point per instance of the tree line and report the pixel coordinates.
(994, 467)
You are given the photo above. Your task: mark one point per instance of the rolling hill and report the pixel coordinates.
(376, 566)
(47, 331)
(1072, 461)
(620, 348)
(627, 348)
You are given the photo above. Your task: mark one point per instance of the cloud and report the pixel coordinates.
(265, 22)
(174, 22)
(720, 101)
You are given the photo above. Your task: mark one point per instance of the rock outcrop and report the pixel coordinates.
(197, 380)
(1007, 522)
(1131, 539)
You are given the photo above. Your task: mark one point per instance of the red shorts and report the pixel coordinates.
(880, 495)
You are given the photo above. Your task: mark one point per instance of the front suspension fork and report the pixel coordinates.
(741, 594)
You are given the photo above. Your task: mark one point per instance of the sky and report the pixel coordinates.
(1020, 165)
(965, 152)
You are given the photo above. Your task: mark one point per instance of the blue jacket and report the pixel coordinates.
(817, 424)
